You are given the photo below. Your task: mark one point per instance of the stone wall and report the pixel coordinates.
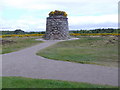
(57, 28)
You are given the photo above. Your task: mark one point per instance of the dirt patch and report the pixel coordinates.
(112, 40)
(3, 42)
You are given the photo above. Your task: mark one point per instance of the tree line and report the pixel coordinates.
(19, 31)
(109, 30)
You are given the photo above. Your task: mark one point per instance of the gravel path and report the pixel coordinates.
(26, 63)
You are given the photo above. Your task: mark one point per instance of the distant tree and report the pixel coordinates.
(19, 31)
(42, 32)
(32, 32)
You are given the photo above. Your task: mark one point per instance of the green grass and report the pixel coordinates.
(0, 82)
(20, 82)
(18, 43)
(86, 50)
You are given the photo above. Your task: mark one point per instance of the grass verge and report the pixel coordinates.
(86, 50)
(14, 44)
(20, 82)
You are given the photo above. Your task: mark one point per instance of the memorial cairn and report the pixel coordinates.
(57, 26)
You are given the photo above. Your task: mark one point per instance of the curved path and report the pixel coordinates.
(26, 63)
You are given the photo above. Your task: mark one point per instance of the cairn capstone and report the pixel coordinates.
(57, 27)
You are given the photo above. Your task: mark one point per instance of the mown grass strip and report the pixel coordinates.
(21, 82)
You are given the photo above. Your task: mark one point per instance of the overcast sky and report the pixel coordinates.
(30, 15)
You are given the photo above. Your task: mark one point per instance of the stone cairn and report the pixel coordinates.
(57, 26)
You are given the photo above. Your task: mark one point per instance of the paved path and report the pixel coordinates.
(27, 64)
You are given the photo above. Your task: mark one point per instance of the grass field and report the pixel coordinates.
(14, 44)
(86, 50)
(20, 82)
(0, 82)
